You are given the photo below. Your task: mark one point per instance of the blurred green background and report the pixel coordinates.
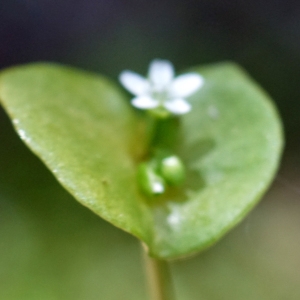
(50, 246)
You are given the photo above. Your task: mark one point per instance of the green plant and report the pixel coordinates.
(226, 140)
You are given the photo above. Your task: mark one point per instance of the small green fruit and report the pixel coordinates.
(150, 182)
(172, 170)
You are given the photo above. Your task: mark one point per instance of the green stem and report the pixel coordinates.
(162, 133)
(159, 279)
(151, 132)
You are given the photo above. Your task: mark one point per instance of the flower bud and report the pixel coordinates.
(150, 182)
(172, 170)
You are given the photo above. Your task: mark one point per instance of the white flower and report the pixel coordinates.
(161, 90)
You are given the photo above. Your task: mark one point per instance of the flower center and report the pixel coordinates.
(160, 95)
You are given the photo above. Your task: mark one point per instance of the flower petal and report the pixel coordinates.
(161, 73)
(177, 106)
(185, 85)
(134, 83)
(144, 102)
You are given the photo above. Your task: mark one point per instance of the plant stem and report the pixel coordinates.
(159, 279)
(151, 132)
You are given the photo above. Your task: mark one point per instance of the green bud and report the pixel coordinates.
(172, 170)
(150, 182)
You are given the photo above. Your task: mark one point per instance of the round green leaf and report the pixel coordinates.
(83, 128)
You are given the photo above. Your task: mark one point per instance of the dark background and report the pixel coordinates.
(108, 36)
(52, 248)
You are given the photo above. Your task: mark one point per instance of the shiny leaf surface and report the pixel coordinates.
(84, 130)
